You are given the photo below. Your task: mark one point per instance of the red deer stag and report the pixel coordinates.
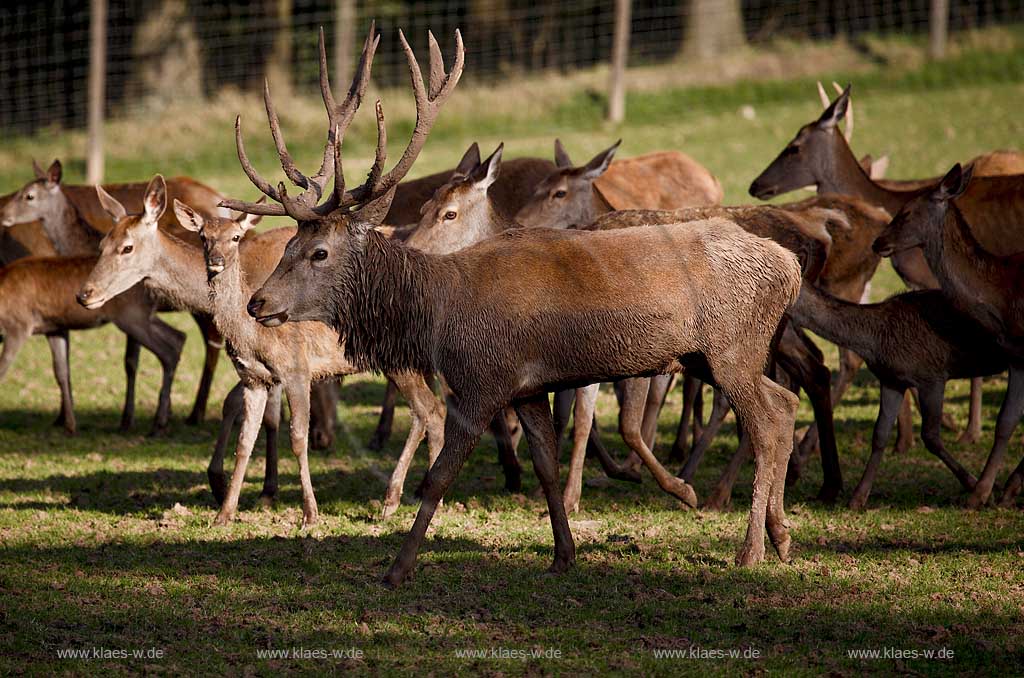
(502, 321)
(981, 284)
(74, 222)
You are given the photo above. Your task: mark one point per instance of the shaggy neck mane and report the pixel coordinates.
(386, 304)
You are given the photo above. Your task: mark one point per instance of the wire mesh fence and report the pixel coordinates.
(159, 50)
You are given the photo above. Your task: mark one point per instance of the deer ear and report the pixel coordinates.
(954, 183)
(373, 212)
(37, 170)
(486, 173)
(246, 221)
(836, 110)
(562, 160)
(54, 173)
(600, 162)
(188, 217)
(470, 159)
(155, 201)
(110, 205)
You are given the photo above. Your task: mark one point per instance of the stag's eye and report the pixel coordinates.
(791, 149)
(450, 215)
(319, 255)
(127, 249)
(560, 193)
(236, 238)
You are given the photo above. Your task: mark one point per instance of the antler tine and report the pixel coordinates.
(254, 176)
(298, 208)
(427, 107)
(825, 101)
(436, 66)
(287, 163)
(373, 179)
(849, 113)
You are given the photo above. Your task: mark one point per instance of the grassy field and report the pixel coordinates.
(106, 543)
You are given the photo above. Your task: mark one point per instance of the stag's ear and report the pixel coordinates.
(600, 162)
(373, 212)
(470, 159)
(486, 173)
(110, 205)
(246, 221)
(954, 183)
(836, 110)
(37, 170)
(54, 173)
(562, 160)
(188, 217)
(155, 201)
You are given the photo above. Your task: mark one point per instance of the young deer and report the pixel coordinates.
(945, 345)
(502, 321)
(37, 296)
(981, 284)
(74, 221)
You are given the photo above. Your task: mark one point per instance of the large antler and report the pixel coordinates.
(429, 100)
(304, 205)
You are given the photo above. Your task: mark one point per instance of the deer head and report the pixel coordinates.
(37, 199)
(810, 157)
(220, 236)
(922, 219)
(128, 251)
(565, 198)
(331, 227)
(460, 213)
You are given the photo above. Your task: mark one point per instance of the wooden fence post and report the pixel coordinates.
(938, 28)
(97, 89)
(344, 36)
(620, 53)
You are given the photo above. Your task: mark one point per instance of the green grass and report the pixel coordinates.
(95, 550)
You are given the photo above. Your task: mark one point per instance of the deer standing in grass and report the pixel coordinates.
(981, 284)
(502, 322)
(74, 222)
(37, 296)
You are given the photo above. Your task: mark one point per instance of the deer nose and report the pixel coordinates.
(83, 296)
(254, 307)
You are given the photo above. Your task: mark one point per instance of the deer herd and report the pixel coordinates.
(499, 283)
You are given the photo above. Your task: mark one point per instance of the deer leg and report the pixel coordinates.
(785, 405)
(323, 414)
(297, 390)
(13, 341)
(890, 401)
(254, 402)
(719, 409)
(905, 426)
(462, 430)
(387, 418)
(809, 372)
(972, 434)
(721, 495)
(634, 399)
(930, 397)
(427, 419)
(132, 350)
(1013, 486)
(656, 393)
(691, 392)
(167, 349)
(271, 425)
(562, 409)
(230, 410)
(535, 415)
(612, 468)
(62, 373)
(583, 418)
(507, 453)
(1009, 415)
(213, 342)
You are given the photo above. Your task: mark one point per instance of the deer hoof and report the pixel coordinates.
(321, 439)
(750, 554)
(858, 502)
(266, 500)
(218, 485)
(718, 501)
(194, 419)
(223, 518)
(377, 441)
(389, 509)
(978, 498)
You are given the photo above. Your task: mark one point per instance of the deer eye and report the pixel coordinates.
(236, 238)
(450, 215)
(29, 196)
(127, 249)
(319, 255)
(791, 149)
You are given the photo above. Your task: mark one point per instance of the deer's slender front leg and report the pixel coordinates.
(297, 391)
(254, 402)
(583, 417)
(62, 372)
